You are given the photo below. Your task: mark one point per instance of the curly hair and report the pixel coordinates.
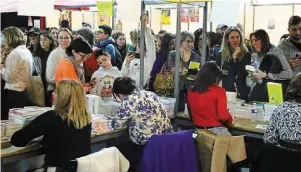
(293, 92)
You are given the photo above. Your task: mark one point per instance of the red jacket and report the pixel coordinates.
(209, 108)
(90, 65)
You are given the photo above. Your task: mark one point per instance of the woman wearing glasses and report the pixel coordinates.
(104, 77)
(64, 39)
(232, 59)
(71, 67)
(189, 62)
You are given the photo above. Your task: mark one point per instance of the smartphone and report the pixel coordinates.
(131, 53)
(298, 56)
(137, 55)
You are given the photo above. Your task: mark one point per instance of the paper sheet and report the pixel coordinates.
(262, 127)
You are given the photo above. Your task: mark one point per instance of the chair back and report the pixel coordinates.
(277, 159)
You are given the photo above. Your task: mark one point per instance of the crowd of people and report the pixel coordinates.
(72, 64)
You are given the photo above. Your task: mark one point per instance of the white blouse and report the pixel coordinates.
(53, 60)
(133, 69)
(18, 69)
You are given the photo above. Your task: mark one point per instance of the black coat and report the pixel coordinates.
(277, 159)
(236, 75)
(269, 64)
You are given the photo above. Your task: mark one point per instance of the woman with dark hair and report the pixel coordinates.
(214, 45)
(167, 45)
(285, 125)
(121, 44)
(207, 101)
(71, 67)
(262, 46)
(54, 33)
(232, 59)
(198, 42)
(143, 113)
(45, 46)
(32, 39)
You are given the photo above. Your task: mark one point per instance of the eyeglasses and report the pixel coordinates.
(102, 61)
(188, 41)
(98, 32)
(67, 37)
(84, 55)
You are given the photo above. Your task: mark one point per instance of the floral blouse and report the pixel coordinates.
(145, 116)
(285, 124)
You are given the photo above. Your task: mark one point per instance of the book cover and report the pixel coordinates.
(275, 93)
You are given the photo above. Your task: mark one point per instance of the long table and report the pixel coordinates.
(13, 154)
(240, 126)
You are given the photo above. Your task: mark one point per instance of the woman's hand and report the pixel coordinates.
(236, 53)
(129, 57)
(87, 89)
(259, 75)
(93, 82)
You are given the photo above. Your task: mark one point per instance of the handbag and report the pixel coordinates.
(35, 88)
(164, 82)
(35, 91)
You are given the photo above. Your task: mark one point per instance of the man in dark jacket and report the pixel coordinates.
(107, 42)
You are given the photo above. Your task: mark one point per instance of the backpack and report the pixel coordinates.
(118, 56)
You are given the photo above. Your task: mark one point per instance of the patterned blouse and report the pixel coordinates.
(285, 124)
(170, 67)
(145, 116)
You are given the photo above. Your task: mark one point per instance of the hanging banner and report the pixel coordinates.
(165, 17)
(105, 8)
(184, 15)
(35, 8)
(194, 14)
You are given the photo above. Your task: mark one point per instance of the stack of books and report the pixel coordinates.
(101, 124)
(25, 115)
(108, 108)
(169, 105)
(9, 127)
(93, 103)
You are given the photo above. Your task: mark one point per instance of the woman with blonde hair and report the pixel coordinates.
(232, 59)
(15, 71)
(66, 129)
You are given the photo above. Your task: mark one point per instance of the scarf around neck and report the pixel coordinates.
(78, 69)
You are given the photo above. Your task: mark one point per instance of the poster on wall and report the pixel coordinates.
(103, 20)
(29, 21)
(66, 15)
(105, 8)
(37, 23)
(184, 15)
(194, 14)
(165, 17)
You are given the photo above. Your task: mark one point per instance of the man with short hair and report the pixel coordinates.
(107, 42)
(291, 46)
